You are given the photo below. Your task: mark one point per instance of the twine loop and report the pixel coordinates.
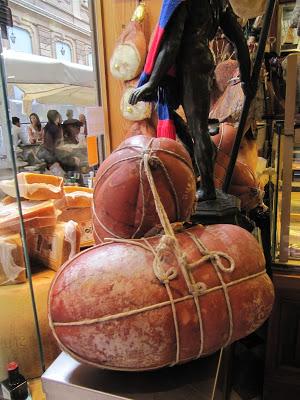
(215, 257)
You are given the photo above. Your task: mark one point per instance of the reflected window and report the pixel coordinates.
(19, 39)
(18, 94)
(63, 51)
(90, 59)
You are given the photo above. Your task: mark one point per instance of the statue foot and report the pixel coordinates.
(221, 209)
(204, 194)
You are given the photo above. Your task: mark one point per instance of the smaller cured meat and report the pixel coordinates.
(244, 183)
(123, 202)
(140, 111)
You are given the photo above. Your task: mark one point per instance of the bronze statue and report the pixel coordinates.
(185, 44)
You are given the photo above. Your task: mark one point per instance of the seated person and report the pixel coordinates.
(71, 129)
(35, 130)
(53, 137)
(16, 131)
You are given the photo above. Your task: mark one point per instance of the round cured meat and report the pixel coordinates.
(123, 204)
(149, 303)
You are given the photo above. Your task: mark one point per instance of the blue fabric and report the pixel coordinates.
(168, 8)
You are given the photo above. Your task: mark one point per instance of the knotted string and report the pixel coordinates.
(169, 242)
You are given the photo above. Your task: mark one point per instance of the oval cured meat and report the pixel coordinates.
(144, 304)
(123, 204)
(244, 183)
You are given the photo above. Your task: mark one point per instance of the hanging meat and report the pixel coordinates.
(140, 111)
(129, 56)
(246, 10)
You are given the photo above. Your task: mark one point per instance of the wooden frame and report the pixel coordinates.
(100, 68)
(287, 156)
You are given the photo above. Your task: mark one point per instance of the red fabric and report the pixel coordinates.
(166, 129)
(151, 58)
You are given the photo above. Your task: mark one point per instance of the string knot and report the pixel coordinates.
(166, 243)
(167, 276)
(198, 288)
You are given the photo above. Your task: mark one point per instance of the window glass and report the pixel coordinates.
(19, 39)
(63, 51)
(90, 59)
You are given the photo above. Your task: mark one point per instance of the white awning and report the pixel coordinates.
(50, 81)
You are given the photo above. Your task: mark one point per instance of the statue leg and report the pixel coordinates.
(183, 133)
(196, 102)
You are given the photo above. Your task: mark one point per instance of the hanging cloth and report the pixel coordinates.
(165, 127)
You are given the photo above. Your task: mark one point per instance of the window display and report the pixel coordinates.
(158, 253)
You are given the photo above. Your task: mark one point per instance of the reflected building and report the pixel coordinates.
(52, 28)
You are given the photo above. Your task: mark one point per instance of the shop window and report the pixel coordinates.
(19, 40)
(63, 51)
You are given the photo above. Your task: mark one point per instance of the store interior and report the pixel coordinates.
(150, 199)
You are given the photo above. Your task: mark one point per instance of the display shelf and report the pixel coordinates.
(69, 380)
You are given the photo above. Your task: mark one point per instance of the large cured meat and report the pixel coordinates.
(123, 202)
(127, 306)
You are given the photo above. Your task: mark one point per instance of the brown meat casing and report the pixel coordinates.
(97, 299)
(123, 202)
